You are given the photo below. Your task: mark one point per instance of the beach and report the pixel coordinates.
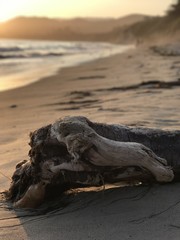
(126, 88)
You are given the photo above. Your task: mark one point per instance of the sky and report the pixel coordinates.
(80, 8)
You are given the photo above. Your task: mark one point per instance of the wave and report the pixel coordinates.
(10, 49)
(31, 55)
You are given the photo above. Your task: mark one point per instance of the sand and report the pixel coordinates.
(106, 90)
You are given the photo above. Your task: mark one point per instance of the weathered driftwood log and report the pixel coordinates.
(75, 152)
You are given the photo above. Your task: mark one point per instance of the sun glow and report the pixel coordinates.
(80, 8)
(9, 9)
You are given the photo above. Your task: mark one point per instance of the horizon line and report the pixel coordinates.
(77, 17)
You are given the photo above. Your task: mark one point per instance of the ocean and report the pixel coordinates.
(24, 61)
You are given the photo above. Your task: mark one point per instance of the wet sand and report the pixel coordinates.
(139, 88)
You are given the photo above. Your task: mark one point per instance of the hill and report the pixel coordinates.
(155, 29)
(90, 29)
(162, 29)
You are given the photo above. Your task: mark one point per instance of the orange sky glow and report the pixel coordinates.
(80, 8)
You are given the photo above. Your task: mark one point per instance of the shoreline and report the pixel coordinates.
(55, 73)
(41, 60)
(94, 89)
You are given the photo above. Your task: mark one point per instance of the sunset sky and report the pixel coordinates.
(80, 8)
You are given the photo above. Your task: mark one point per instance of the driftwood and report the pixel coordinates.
(75, 152)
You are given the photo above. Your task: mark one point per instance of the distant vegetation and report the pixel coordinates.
(165, 28)
(174, 10)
